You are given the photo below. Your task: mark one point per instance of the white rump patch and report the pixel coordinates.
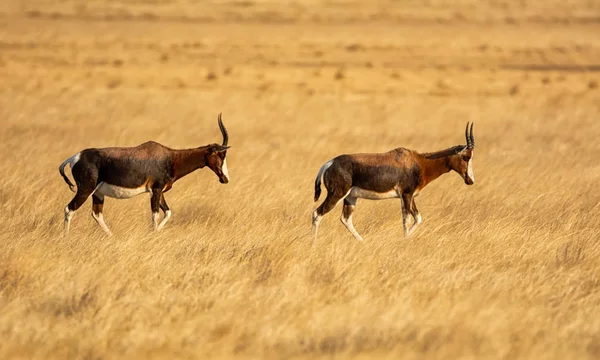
(372, 195)
(119, 192)
(74, 159)
(224, 169)
(323, 169)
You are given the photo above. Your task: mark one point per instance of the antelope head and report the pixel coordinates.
(215, 157)
(462, 161)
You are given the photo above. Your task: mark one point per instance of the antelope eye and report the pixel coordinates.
(466, 158)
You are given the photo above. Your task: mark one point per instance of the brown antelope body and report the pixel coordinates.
(124, 172)
(399, 173)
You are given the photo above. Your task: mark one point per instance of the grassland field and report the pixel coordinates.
(506, 269)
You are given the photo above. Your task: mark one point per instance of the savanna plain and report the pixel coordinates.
(506, 268)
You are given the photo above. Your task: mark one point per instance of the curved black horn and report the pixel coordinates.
(467, 136)
(471, 137)
(223, 131)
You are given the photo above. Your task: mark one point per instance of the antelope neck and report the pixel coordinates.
(434, 167)
(187, 160)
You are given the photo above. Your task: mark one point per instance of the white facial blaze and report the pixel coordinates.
(224, 169)
(470, 170)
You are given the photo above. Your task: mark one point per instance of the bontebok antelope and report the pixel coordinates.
(124, 172)
(399, 173)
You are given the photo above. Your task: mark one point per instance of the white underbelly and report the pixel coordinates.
(119, 192)
(357, 192)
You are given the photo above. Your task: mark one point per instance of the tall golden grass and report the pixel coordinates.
(507, 268)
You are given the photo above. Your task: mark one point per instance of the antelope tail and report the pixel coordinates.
(71, 161)
(319, 178)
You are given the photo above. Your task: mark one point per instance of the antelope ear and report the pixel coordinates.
(221, 148)
(460, 149)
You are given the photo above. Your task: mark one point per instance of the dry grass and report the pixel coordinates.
(507, 268)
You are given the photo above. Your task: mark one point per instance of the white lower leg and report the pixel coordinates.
(100, 220)
(68, 217)
(316, 219)
(164, 220)
(418, 220)
(348, 223)
(155, 220)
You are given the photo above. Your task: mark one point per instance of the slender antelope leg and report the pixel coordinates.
(332, 199)
(83, 192)
(406, 210)
(97, 206)
(404, 220)
(409, 207)
(416, 216)
(346, 218)
(316, 219)
(165, 208)
(68, 217)
(155, 205)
